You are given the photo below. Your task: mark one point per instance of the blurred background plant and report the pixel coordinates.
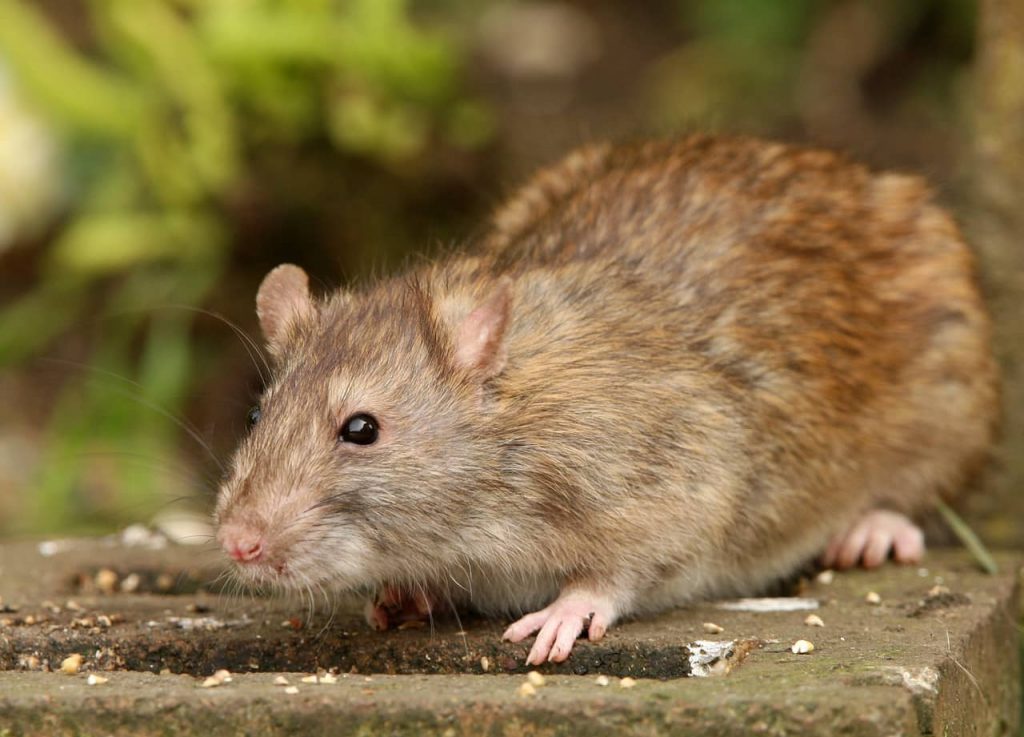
(158, 156)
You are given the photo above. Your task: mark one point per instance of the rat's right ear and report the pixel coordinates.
(282, 303)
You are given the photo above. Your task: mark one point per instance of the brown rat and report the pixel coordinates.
(668, 371)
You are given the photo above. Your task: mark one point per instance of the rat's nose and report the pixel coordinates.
(245, 546)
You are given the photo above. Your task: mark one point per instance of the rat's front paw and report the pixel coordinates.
(394, 607)
(871, 538)
(561, 623)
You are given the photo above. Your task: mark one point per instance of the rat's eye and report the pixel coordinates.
(360, 429)
(253, 417)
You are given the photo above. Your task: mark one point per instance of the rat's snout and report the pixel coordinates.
(243, 543)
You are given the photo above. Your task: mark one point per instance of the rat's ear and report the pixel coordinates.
(282, 303)
(480, 336)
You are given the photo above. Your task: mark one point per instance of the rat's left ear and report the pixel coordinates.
(480, 336)
(282, 303)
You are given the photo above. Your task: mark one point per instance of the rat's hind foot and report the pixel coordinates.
(872, 538)
(394, 606)
(561, 623)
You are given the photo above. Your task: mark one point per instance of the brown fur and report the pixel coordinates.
(717, 352)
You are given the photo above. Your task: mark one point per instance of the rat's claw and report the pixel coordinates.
(561, 623)
(870, 540)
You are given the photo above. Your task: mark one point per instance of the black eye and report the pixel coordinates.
(253, 417)
(360, 429)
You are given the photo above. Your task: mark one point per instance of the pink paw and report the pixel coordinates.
(394, 606)
(561, 623)
(871, 539)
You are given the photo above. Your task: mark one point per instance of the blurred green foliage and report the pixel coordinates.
(159, 118)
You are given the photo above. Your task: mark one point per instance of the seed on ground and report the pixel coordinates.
(813, 620)
(713, 629)
(802, 647)
(71, 663)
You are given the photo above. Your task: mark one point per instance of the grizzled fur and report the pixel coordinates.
(703, 358)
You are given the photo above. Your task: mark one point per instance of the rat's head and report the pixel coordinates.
(363, 456)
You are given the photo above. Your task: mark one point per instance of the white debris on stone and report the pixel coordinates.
(140, 536)
(184, 528)
(770, 604)
(919, 681)
(203, 624)
(705, 654)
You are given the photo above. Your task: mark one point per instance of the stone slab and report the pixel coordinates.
(923, 661)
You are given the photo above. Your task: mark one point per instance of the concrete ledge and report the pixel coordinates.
(923, 661)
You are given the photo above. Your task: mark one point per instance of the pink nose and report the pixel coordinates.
(243, 546)
(246, 552)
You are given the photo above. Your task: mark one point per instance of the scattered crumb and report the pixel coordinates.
(825, 577)
(802, 647)
(95, 680)
(73, 606)
(485, 664)
(292, 690)
(71, 663)
(412, 624)
(131, 583)
(626, 682)
(713, 629)
(602, 680)
(217, 679)
(873, 598)
(106, 580)
(923, 572)
(527, 689)
(328, 678)
(937, 590)
(280, 681)
(535, 678)
(311, 679)
(813, 620)
(29, 662)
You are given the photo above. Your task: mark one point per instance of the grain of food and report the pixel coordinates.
(626, 682)
(95, 680)
(535, 678)
(873, 598)
(527, 689)
(71, 663)
(280, 681)
(813, 620)
(106, 580)
(292, 690)
(713, 629)
(802, 647)
(602, 681)
(825, 577)
(485, 664)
